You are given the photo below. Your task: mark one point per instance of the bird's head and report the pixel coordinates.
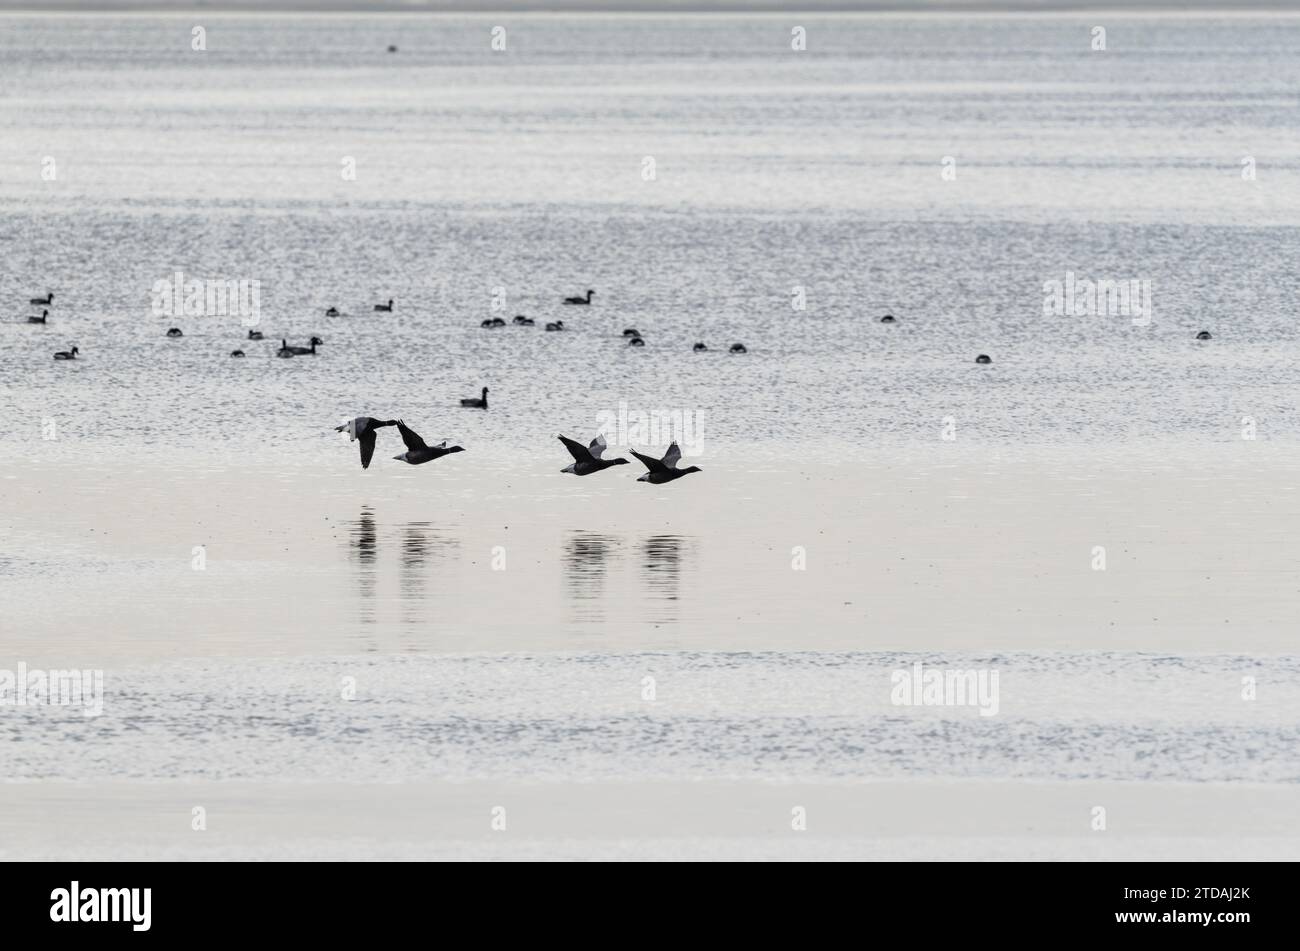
(619, 461)
(451, 449)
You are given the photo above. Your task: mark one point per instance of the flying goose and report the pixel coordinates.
(478, 403)
(67, 354)
(580, 300)
(417, 452)
(664, 470)
(587, 459)
(363, 428)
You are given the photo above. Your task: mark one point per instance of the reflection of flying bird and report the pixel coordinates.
(587, 459)
(363, 429)
(417, 451)
(665, 469)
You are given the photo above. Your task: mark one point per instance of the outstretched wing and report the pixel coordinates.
(673, 456)
(410, 437)
(650, 462)
(367, 447)
(598, 446)
(576, 449)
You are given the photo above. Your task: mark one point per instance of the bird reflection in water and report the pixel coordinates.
(420, 542)
(586, 565)
(363, 548)
(661, 570)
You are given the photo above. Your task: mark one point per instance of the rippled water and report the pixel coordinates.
(796, 197)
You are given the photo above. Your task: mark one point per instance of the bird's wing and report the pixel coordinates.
(598, 446)
(673, 456)
(650, 462)
(576, 449)
(410, 437)
(367, 448)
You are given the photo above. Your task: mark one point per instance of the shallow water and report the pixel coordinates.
(869, 495)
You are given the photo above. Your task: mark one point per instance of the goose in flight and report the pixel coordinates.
(362, 429)
(417, 451)
(480, 403)
(580, 300)
(664, 470)
(588, 459)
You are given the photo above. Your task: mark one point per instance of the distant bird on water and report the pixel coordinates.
(41, 301)
(417, 452)
(174, 332)
(306, 351)
(700, 347)
(67, 354)
(384, 308)
(493, 322)
(522, 321)
(635, 342)
(588, 459)
(558, 325)
(236, 353)
(1204, 335)
(983, 358)
(631, 332)
(332, 312)
(738, 348)
(665, 469)
(580, 300)
(480, 403)
(285, 350)
(888, 319)
(362, 429)
(255, 335)
(41, 319)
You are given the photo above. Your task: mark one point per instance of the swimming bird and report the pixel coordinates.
(285, 350)
(255, 335)
(888, 319)
(392, 49)
(476, 404)
(738, 348)
(363, 429)
(40, 301)
(307, 351)
(1204, 335)
(580, 300)
(384, 308)
(636, 342)
(417, 452)
(522, 321)
(664, 470)
(332, 312)
(39, 320)
(587, 459)
(174, 332)
(983, 358)
(699, 347)
(236, 353)
(558, 325)
(67, 354)
(631, 332)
